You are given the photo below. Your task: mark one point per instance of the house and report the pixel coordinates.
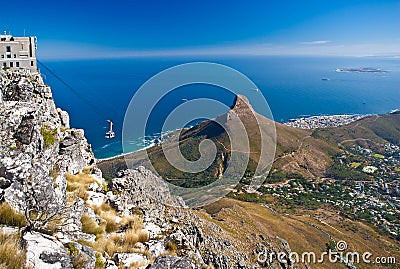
(17, 52)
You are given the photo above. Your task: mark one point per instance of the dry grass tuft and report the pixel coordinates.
(11, 254)
(134, 222)
(143, 236)
(111, 221)
(10, 217)
(171, 248)
(90, 226)
(119, 243)
(79, 184)
(80, 178)
(87, 170)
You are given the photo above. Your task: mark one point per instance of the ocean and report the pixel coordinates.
(292, 86)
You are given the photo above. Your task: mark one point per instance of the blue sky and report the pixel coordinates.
(93, 29)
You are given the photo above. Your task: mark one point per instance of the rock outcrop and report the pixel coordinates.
(37, 150)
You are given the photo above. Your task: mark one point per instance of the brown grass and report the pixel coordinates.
(8, 216)
(119, 243)
(109, 214)
(81, 178)
(240, 219)
(79, 184)
(110, 218)
(11, 254)
(87, 170)
(90, 226)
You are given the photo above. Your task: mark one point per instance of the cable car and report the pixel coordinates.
(110, 134)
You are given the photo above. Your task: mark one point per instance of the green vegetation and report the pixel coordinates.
(78, 260)
(9, 217)
(13, 147)
(247, 197)
(355, 165)
(379, 156)
(99, 262)
(341, 171)
(49, 136)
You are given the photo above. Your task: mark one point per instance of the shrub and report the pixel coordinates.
(11, 254)
(99, 262)
(49, 136)
(8, 216)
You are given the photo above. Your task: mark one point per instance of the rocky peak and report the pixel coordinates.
(242, 108)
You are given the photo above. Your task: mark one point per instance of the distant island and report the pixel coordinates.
(361, 70)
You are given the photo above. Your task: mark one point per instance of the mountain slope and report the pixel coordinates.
(296, 150)
(373, 129)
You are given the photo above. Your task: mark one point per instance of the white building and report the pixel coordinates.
(17, 52)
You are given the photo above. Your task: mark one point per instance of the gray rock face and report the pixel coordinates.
(24, 133)
(75, 152)
(64, 116)
(164, 262)
(142, 190)
(28, 156)
(44, 252)
(37, 149)
(83, 253)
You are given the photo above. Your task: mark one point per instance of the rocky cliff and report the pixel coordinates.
(59, 212)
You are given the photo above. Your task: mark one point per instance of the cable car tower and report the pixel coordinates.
(110, 134)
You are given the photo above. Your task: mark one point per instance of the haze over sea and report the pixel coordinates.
(293, 87)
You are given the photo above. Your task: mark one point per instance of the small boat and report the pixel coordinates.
(110, 134)
(325, 79)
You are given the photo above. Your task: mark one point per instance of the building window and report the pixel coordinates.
(4, 64)
(15, 55)
(2, 56)
(11, 64)
(31, 63)
(17, 64)
(8, 49)
(8, 55)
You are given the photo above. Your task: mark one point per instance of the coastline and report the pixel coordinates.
(163, 136)
(124, 154)
(306, 122)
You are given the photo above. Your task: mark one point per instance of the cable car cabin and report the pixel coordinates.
(110, 134)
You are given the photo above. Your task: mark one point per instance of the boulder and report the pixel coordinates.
(128, 259)
(163, 262)
(45, 252)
